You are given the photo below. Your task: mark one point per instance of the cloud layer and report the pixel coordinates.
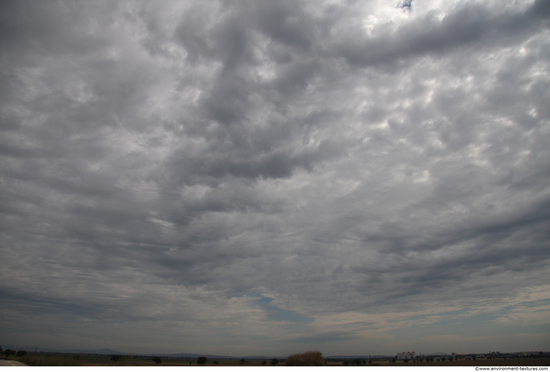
(273, 176)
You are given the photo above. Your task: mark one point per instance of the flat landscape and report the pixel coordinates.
(105, 360)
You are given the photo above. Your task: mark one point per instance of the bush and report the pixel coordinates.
(310, 358)
(117, 358)
(274, 361)
(157, 360)
(21, 353)
(201, 360)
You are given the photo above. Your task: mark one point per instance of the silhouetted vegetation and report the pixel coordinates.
(157, 360)
(9, 352)
(201, 361)
(274, 361)
(310, 358)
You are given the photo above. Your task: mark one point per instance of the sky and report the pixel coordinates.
(271, 177)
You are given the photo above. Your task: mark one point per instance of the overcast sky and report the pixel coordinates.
(271, 177)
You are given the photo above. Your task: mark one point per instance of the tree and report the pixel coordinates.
(9, 352)
(215, 362)
(242, 361)
(21, 353)
(157, 360)
(274, 361)
(264, 362)
(201, 360)
(117, 358)
(309, 358)
(357, 361)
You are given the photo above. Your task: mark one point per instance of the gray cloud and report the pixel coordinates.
(263, 177)
(471, 24)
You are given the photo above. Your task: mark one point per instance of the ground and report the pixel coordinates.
(104, 360)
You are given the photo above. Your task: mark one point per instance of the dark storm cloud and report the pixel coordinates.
(540, 8)
(245, 162)
(357, 167)
(469, 25)
(49, 27)
(23, 302)
(286, 22)
(295, 76)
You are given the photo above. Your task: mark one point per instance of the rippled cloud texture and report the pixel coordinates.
(270, 177)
